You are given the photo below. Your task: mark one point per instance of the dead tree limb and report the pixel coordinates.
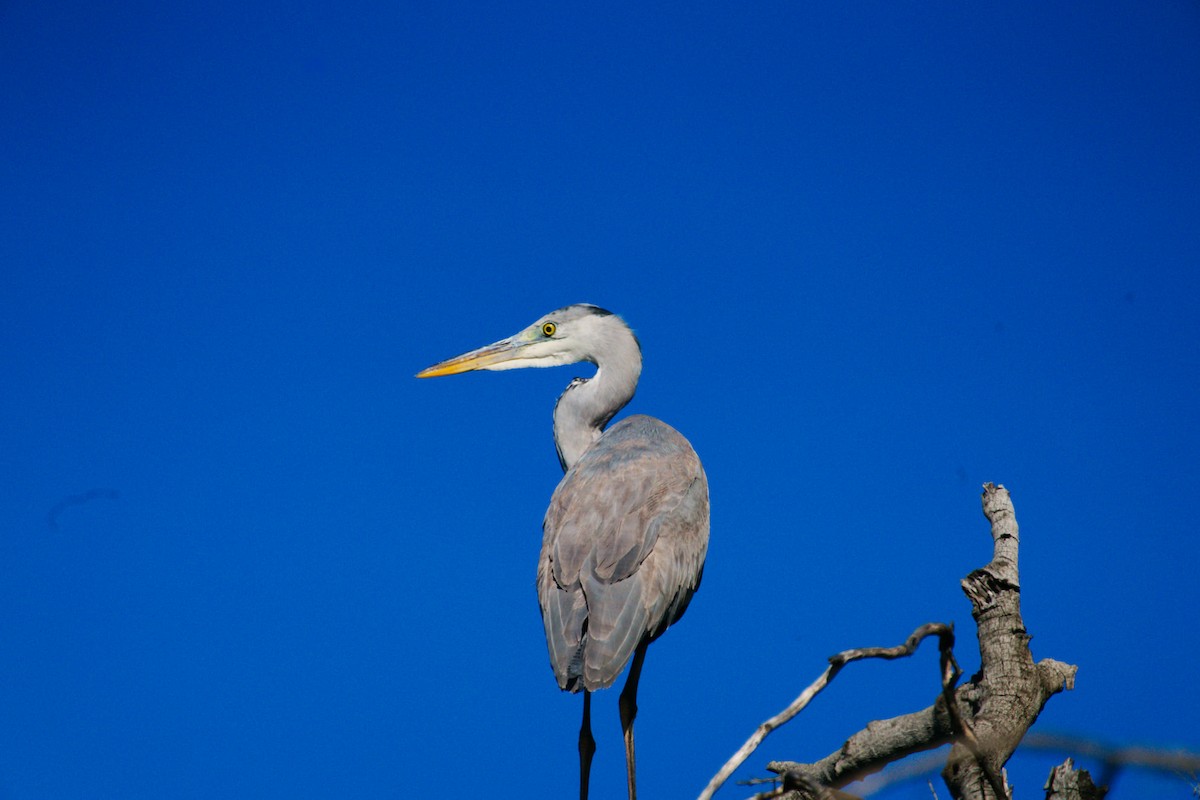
(1067, 783)
(985, 718)
(1113, 760)
(1012, 688)
(945, 634)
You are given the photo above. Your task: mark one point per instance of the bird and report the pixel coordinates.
(625, 536)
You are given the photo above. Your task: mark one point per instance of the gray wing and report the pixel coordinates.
(623, 549)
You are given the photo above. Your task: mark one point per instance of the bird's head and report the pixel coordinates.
(571, 334)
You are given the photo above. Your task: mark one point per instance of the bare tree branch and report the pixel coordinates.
(963, 732)
(1112, 759)
(984, 718)
(879, 744)
(1162, 760)
(883, 742)
(1067, 783)
(1012, 688)
(1115, 759)
(910, 770)
(945, 634)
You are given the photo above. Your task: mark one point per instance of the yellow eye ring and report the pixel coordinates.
(548, 328)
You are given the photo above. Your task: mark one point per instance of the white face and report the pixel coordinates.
(566, 336)
(545, 343)
(554, 340)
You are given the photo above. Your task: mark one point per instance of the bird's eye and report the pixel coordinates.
(548, 328)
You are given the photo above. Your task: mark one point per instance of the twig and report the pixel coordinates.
(808, 788)
(963, 730)
(778, 791)
(945, 634)
(1173, 762)
(912, 769)
(1145, 757)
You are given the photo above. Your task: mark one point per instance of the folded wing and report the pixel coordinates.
(623, 548)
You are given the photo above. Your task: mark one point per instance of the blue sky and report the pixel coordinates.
(876, 255)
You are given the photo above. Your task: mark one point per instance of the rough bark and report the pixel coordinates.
(985, 717)
(1012, 689)
(1067, 783)
(877, 745)
(901, 727)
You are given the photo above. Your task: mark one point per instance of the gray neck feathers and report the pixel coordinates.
(589, 403)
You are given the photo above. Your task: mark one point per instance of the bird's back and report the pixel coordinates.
(623, 548)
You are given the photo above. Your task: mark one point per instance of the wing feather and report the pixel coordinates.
(623, 548)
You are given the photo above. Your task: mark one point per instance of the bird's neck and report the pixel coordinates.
(589, 403)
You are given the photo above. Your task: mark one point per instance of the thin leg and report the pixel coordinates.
(587, 746)
(628, 706)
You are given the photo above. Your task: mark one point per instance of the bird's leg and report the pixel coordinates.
(628, 706)
(587, 746)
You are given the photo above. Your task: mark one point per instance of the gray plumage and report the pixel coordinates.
(623, 549)
(626, 533)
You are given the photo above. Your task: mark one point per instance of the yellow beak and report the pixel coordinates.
(484, 357)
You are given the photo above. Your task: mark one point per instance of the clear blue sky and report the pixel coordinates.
(876, 254)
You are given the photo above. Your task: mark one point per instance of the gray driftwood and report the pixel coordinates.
(985, 718)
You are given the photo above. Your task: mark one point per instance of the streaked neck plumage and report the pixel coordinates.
(589, 403)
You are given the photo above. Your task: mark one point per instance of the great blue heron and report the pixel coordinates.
(626, 533)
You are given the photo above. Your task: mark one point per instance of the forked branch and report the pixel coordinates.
(985, 718)
(949, 669)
